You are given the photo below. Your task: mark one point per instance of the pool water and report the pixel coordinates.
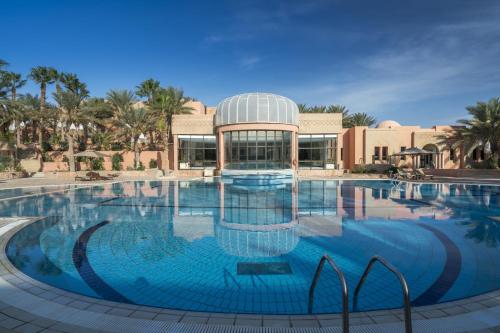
(222, 247)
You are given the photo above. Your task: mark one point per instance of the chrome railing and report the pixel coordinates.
(402, 281)
(343, 285)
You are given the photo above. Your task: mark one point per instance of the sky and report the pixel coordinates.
(417, 62)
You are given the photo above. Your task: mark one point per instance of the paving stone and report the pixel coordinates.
(361, 321)
(48, 295)
(28, 328)
(330, 322)
(48, 330)
(382, 319)
(11, 323)
(19, 314)
(120, 312)
(220, 321)
(276, 323)
(43, 322)
(167, 317)
(433, 313)
(223, 315)
(248, 322)
(474, 306)
(305, 323)
(63, 300)
(196, 320)
(99, 308)
(79, 305)
(454, 310)
(143, 315)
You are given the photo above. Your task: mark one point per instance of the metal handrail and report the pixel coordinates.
(343, 284)
(402, 281)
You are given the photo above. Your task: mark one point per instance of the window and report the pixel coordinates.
(452, 154)
(403, 157)
(257, 149)
(376, 154)
(341, 154)
(318, 151)
(385, 151)
(197, 151)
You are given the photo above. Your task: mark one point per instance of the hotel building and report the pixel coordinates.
(262, 131)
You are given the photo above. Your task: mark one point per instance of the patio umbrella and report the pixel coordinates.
(91, 154)
(413, 152)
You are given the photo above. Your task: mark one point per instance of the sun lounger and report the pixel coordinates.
(420, 174)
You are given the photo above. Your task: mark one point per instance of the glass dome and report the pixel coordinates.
(257, 108)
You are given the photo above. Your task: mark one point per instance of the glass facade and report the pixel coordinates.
(318, 151)
(197, 151)
(257, 149)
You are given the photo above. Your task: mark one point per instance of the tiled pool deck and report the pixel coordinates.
(27, 305)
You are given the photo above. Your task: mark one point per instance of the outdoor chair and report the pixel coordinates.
(420, 174)
(405, 175)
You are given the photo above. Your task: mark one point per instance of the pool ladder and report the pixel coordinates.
(345, 291)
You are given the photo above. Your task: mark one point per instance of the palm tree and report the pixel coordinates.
(43, 76)
(303, 108)
(148, 89)
(481, 130)
(72, 115)
(167, 102)
(360, 119)
(131, 124)
(337, 108)
(121, 100)
(13, 81)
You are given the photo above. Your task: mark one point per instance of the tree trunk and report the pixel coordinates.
(43, 92)
(71, 153)
(40, 138)
(137, 154)
(165, 151)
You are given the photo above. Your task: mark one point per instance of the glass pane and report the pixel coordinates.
(209, 142)
(261, 138)
(304, 142)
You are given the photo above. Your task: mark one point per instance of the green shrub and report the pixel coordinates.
(116, 162)
(98, 163)
(141, 167)
(153, 164)
(359, 169)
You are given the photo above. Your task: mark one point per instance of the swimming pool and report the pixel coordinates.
(222, 247)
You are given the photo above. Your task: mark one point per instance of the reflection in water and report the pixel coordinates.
(178, 243)
(484, 231)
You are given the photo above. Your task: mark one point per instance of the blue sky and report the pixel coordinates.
(417, 62)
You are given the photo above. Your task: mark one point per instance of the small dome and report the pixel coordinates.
(257, 108)
(388, 124)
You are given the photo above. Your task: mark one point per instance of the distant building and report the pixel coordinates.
(261, 131)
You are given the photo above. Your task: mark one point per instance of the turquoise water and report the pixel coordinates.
(215, 246)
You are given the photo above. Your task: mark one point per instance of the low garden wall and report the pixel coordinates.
(127, 164)
(467, 173)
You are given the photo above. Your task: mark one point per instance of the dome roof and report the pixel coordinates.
(388, 124)
(257, 108)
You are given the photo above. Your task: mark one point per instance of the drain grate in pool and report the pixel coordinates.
(263, 268)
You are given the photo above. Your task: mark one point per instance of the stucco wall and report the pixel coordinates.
(319, 123)
(128, 160)
(193, 124)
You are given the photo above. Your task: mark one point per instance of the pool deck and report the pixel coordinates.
(27, 305)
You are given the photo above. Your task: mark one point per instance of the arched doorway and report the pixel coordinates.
(429, 161)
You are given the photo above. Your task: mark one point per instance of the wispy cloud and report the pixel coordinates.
(249, 62)
(446, 60)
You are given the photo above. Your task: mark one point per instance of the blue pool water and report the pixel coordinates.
(221, 247)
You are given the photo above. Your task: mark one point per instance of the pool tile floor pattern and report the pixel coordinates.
(27, 305)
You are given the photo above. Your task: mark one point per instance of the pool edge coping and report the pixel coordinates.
(50, 294)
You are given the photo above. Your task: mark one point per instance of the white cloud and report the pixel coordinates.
(450, 59)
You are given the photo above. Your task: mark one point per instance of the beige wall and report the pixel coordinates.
(195, 124)
(360, 142)
(320, 123)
